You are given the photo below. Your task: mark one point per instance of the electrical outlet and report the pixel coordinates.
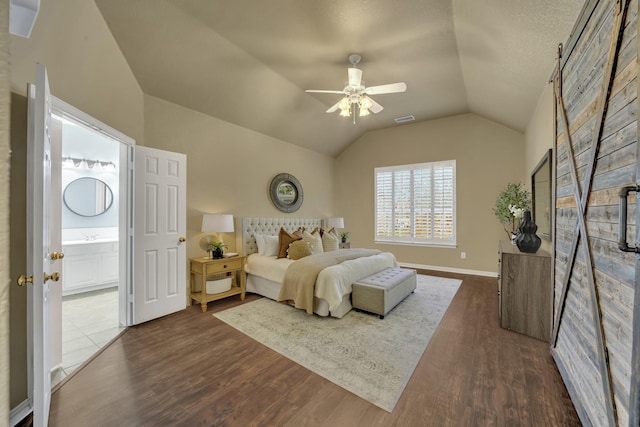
(463, 255)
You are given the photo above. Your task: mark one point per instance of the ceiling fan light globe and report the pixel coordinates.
(366, 103)
(364, 112)
(344, 104)
(345, 113)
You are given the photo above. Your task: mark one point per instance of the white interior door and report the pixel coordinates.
(39, 246)
(159, 254)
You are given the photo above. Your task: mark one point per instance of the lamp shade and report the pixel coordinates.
(335, 223)
(217, 223)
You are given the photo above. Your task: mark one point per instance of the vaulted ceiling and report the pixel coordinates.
(248, 62)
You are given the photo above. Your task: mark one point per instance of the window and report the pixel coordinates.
(416, 204)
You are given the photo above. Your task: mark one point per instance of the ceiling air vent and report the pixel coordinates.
(404, 119)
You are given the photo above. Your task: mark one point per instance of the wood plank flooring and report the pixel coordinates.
(191, 369)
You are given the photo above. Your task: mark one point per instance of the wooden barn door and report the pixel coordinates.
(596, 159)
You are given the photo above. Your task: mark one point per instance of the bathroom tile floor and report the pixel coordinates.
(89, 321)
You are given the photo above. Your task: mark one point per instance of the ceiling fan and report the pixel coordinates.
(356, 95)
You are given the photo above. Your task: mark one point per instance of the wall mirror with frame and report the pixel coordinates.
(88, 197)
(286, 193)
(541, 200)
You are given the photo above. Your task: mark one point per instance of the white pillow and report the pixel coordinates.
(314, 241)
(272, 245)
(330, 242)
(260, 243)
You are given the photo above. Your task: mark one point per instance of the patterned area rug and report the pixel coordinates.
(369, 357)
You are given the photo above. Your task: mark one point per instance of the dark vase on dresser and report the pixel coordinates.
(527, 240)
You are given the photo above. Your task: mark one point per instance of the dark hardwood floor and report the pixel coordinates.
(191, 369)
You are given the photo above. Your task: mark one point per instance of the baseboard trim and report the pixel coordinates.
(449, 269)
(20, 412)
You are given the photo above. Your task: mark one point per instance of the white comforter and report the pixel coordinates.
(333, 282)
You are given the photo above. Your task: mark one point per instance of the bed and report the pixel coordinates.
(332, 289)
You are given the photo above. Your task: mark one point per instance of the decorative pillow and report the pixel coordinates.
(314, 241)
(272, 245)
(330, 241)
(318, 230)
(285, 240)
(298, 249)
(260, 243)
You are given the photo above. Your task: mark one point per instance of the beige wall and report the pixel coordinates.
(229, 168)
(85, 66)
(18, 262)
(87, 70)
(539, 132)
(4, 212)
(488, 156)
(539, 138)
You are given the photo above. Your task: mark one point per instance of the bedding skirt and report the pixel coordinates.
(270, 289)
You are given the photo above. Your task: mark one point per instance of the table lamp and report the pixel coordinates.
(335, 223)
(217, 223)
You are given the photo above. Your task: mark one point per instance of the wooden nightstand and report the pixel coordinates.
(346, 245)
(233, 267)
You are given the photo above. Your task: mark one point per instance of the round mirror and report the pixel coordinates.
(88, 196)
(286, 192)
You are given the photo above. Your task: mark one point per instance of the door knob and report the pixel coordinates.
(57, 255)
(22, 280)
(54, 276)
(182, 239)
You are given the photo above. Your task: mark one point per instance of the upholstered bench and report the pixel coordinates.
(381, 292)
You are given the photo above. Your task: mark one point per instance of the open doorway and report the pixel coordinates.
(88, 310)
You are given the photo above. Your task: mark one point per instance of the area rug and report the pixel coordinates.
(361, 353)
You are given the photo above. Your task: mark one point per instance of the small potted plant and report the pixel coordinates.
(511, 204)
(216, 249)
(344, 236)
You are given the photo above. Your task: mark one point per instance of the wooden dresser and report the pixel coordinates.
(525, 291)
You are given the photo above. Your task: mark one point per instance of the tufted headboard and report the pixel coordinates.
(271, 226)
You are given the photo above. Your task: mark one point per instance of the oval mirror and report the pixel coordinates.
(88, 196)
(286, 192)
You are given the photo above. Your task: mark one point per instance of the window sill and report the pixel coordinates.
(426, 245)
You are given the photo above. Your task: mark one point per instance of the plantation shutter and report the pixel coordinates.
(416, 203)
(402, 204)
(443, 203)
(422, 203)
(384, 204)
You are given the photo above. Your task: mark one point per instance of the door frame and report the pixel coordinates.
(125, 233)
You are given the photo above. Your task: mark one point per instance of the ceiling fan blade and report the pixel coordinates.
(355, 77)
(334, 107)
(325, 91)
(375, 107)
(390, 88)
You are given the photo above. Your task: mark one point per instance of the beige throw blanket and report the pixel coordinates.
(300, 278)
